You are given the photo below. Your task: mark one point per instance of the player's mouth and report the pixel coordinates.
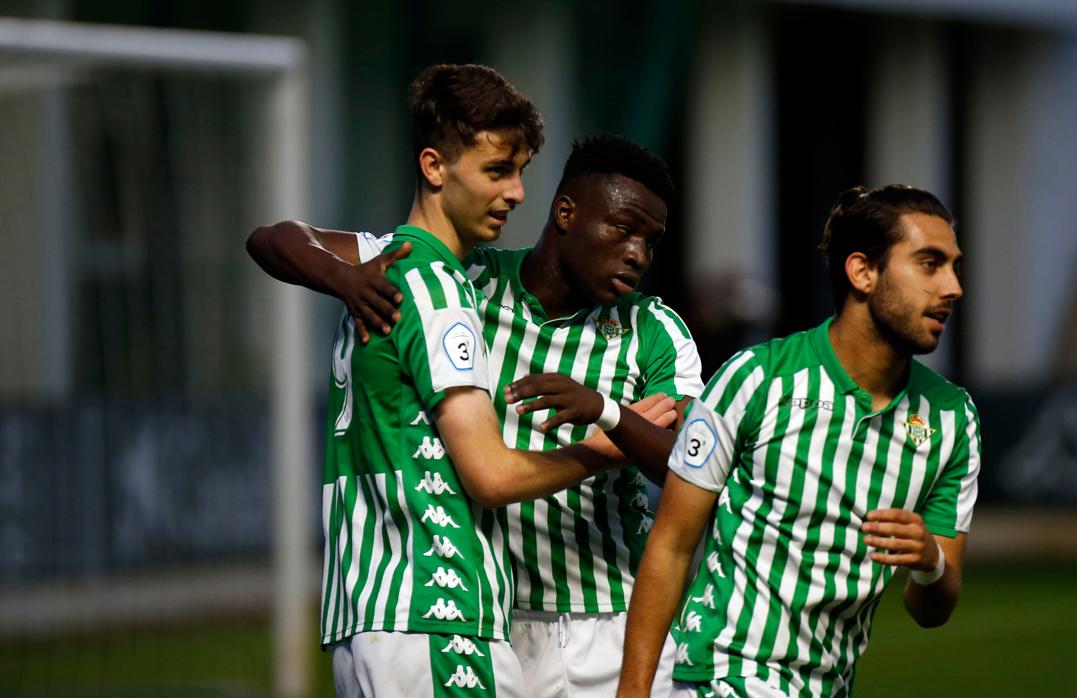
(499, 217)
(624, 283)
(938, 318)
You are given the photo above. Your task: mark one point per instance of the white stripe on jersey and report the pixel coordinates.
(966, 497)
(688, 362)
(421, 295)
(398, 554)
(403, 603)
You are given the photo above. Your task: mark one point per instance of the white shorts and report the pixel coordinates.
(578, 655)
(414, 665)
(741, 687)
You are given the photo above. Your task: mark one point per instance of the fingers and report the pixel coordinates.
(899, 530)
(895, 545)
(895, 515)
(666, 419)
(903, 559)
(361, 330)
(658, 408)
(646, 403)
(547, 402)
(387, 259)
(534, 385)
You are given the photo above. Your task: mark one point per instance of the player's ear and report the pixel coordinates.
(432, 165)
(564, 208)
(863, 275)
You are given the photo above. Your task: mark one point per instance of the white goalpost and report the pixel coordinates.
(281, 66)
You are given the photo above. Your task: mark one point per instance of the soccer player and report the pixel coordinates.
(567, 306)
(418, 588)
(819, 463)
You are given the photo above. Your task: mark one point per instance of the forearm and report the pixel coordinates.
(656, 595)
(527, 475)
(291, 251)
(930, 606)
(646, 444)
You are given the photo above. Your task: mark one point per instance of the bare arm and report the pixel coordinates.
(326, 261)
(903, 540)
(683, 515)
(646, 444)
(495, 475)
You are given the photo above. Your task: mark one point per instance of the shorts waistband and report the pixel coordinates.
(554, 616)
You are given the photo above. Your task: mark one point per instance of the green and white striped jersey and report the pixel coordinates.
(786, 590)
(405, 548)
(577, 550)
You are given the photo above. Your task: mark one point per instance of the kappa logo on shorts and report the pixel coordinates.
(438, 516)
(464, 677)
(446, 580)
(459, 344)
(445, 610)
(682, 655)
(432, 483)
(420, 418)
(693, 623)
(462, 645)
(638, 480)
(639, 501)
(699, 443)
(707, 598)
(714, 566)
(430, 449)
(644, 525)
(443, 547)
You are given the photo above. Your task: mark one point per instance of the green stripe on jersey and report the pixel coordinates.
(786, 591)
(578, 550)
(405, 549)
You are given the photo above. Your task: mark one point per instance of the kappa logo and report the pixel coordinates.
(420, 418)
(462, 645)
(693, 623)
(714, 565)
(459, 344)
(682, 655)
(430, 449)
(639, 500)
(443, 547)
(917, 429)
(724, 500)
(443, 610)
(446, 580)
(464, 678)
(645, 525)
(608, 326)
(707, 598)
(638, 480)
(438, 516)
(807, 403)
(432, 483)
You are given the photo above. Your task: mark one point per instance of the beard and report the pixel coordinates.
(898, 322)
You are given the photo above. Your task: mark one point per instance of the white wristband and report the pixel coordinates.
(611, 414)
(931, 576)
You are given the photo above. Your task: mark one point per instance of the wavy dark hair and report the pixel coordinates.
(869, 221)
(451, 104)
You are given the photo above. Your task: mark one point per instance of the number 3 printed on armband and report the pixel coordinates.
(699, 442)
(459, 344)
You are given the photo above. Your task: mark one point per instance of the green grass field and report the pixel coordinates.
(1014, 634)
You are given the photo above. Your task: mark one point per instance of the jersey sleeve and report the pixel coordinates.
(672, 362)
(708, 443)
(948, 508)
(370, 245)
(439, 338)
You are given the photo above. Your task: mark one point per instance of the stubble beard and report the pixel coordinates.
(897, 321)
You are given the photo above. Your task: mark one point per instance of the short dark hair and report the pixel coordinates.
(609, 154)
(869, 221)
(451, 104)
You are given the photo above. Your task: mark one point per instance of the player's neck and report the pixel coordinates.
(542, 276)
(873, 363)
(428, 215)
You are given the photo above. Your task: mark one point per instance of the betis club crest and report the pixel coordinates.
(917, 429)
(609, 328)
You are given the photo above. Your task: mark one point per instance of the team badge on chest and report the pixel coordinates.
(609, 328)
(917, 429)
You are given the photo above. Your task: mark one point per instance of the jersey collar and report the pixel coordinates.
(538, 313)
(420, 238)
(842, 381)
